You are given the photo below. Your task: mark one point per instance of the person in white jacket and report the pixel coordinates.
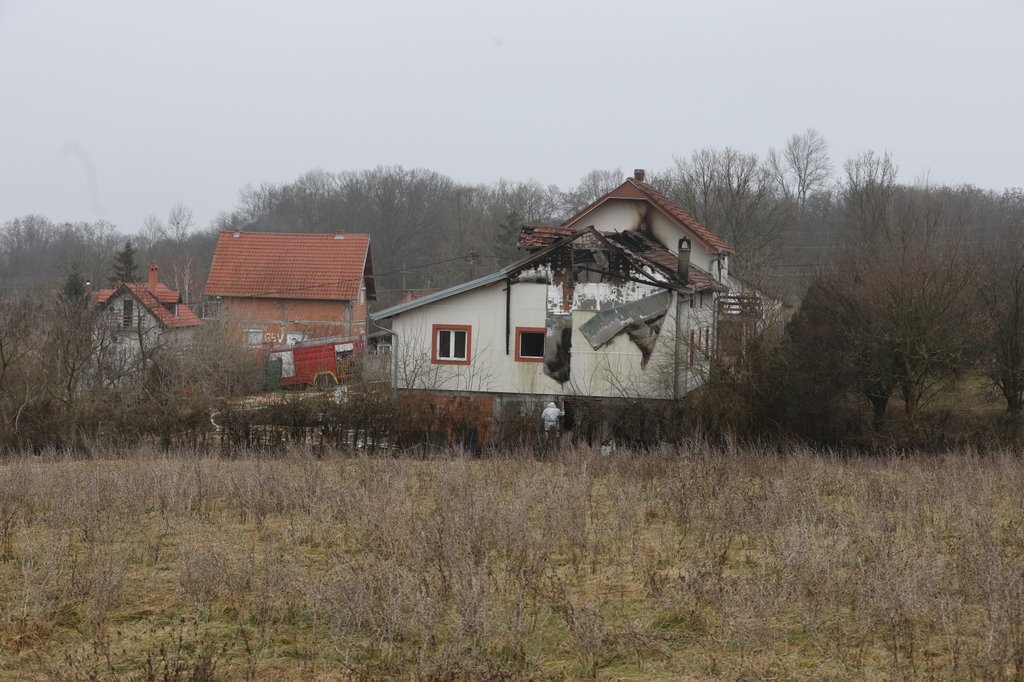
(550, 416)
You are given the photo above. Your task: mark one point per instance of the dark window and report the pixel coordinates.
(529, 344)
(127, 314)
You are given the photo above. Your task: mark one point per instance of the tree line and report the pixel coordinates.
(912, 332)
(896, 295)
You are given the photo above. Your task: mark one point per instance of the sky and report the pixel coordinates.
(118, 110)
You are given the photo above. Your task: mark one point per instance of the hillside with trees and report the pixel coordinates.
(897, 296)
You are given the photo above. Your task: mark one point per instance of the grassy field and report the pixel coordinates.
(684, 564)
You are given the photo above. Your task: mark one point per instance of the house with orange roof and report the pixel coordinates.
(145, 316)
(624, 300)
(287, 288)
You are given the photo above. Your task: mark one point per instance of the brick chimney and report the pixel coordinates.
(154, 272)
(639, 174)
(683, 267)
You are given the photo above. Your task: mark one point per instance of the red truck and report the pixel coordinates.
(323, 363)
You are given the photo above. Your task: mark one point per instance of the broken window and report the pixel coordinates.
(451, 344)
(529, 344)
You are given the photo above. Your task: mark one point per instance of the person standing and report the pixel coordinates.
(550, 416)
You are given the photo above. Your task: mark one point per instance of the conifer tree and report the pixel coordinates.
(73, 292)
(125, 269)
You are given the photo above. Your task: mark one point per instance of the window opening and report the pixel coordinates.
(529, 344)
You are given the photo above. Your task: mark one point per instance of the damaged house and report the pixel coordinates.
(619, 301)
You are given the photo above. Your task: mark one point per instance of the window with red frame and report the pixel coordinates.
(451, 344)
(530, 344)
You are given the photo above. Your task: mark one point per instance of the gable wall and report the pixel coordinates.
(145, 335)
(620, 215)
(143, 320)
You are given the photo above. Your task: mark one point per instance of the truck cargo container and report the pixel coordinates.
(324, 363)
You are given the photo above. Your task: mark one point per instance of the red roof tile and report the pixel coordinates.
(634, 189)
(156, 303)
(289, 265)
(537, 236)
(163, 293)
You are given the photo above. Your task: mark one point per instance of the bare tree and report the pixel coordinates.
(1002, 293)
(180, 219)
(897, 312)
(735, 196)
(153, 230)
(803, 167)
(37, 252)
(867, 192)
(590, 187)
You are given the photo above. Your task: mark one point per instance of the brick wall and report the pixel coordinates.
(275, 318)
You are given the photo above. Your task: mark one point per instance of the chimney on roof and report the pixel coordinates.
(683, 267)
(639, 174)
(154, 271)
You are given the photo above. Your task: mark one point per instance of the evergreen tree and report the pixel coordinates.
(73, 292)
(125, 269)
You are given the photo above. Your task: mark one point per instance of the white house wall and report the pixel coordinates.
(145, 330)
(613, 370)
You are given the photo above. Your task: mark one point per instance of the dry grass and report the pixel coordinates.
(685, 564)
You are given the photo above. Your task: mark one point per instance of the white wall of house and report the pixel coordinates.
(142, 332)
(679, 362)
(613, 370)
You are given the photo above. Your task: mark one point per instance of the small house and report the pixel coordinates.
(145, 316)
(287, 288)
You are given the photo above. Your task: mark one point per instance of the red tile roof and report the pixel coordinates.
(163, 293)
(156, 302)
(289, 265)
(635, 189)
(537, 236)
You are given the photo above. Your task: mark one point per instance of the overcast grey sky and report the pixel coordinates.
(117, 110)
